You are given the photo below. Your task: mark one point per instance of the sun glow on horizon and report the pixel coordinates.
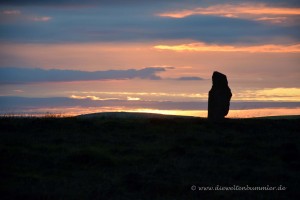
(266, 94)
(75, 111)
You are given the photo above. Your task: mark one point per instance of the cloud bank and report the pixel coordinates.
(89, 21)
(117, 2)
(29, 75)
(14, 75)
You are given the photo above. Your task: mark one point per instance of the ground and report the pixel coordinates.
(154, 157)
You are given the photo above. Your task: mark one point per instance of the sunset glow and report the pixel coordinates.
(273, 94)
(267, 48)
(75, 111)
(74, 57)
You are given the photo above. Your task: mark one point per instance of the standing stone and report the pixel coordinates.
(219, 97)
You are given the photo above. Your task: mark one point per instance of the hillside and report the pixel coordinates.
(129, 115)
(142, 156)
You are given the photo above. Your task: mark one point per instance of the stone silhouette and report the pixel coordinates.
(219, 97)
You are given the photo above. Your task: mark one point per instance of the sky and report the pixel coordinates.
(148, 56)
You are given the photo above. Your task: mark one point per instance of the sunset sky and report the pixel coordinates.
(74, 57)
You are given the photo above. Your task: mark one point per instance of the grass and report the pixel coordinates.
(147, 158)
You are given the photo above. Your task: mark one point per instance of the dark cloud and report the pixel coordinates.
(25, 75)
(46, 2)
(136, 22)
(132, 26)
(80, 2)
(134, 2)
(221, 30)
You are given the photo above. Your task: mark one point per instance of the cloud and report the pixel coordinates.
(133, 99)
(151, 96)
(29, 75)
(291, 94)
(18, 91)
(45, 2)
(13, 75)
(122, 2)
(11, 12)
(94, 98)
(9, 103)
(253, 11)
(14, 15)
(40, 18)
(134, 23)
(189, 78)
(276, 20)
(82, 3)
(274, 94)
(203, 47)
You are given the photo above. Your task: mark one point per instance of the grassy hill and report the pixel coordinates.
(152, 157)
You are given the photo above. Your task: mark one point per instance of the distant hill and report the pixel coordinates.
(137, 115)
(130, 115)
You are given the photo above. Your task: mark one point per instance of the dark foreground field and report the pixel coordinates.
(148, 158)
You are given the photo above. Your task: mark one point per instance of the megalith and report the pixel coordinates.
(219, 97)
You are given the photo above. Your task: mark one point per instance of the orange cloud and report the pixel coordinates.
(258, 12)
(203, 47)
